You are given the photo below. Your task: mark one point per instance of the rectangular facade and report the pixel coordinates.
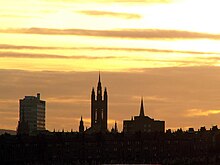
(143, 124)
(32, 110)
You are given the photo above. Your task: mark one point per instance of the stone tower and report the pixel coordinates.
(99, 108)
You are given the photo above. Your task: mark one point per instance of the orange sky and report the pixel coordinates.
(165, 50)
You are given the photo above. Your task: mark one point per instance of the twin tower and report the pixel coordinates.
(99, 109)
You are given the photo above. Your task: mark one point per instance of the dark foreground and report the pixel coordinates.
(202, 147)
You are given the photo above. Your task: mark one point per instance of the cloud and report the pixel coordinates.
(193, 61)
(200, 112)
(182, 62)
(110, 14)
(8, 46)
(122, 33)
(213, 58)
(50, 56)
(19, 47)
(200, 61)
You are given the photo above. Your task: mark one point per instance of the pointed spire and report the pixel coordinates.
(99, 77)
(142, 108)
(116, 127)
(105, 94)
(81, 125)
(93, 92)
(99, 88)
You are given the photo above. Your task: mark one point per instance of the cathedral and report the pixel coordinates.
(99, 110)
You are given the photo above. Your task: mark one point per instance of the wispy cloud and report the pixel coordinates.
(51, 56)
(8, 46)
(110, 14)
(29, 47)
(213, 58)
(194, 61)
(121, 33)
(181, 62)
(200, 112)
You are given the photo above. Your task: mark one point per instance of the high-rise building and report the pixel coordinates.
(99, 109)
(143, 123)
(32, 113)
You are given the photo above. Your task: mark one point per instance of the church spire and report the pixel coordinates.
(99, 88)
(99, 78)
(116, 127)
(81, 126)
(142, 108)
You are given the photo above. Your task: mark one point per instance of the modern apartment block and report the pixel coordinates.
(32, 115)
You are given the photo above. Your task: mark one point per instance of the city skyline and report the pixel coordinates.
(73, 122)
(164, 50)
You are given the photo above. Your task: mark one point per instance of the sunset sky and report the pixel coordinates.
(167, 51)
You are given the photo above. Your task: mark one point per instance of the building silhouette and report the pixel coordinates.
(115, 128)
(143, 123)
(170, 148)
(99, 109)
(32, 115)
(23, 127)
(81, 125)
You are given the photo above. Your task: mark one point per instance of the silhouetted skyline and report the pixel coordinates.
(170, 57)
(164, 96)
(32, 112)
(179, 147)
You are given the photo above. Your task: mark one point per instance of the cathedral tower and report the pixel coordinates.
(99, 108)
